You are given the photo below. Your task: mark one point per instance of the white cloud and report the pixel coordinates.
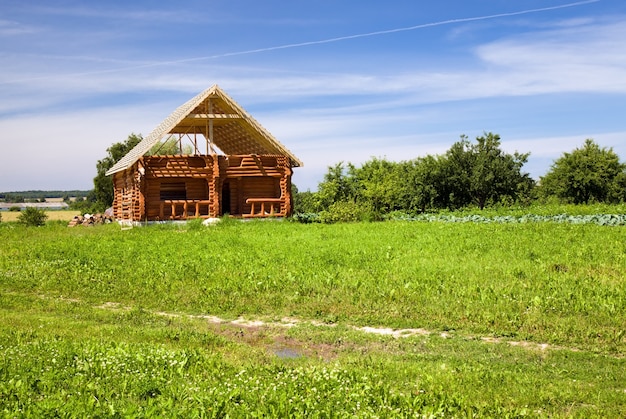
(555, 146)
(589, 58)
(11, 28)
(60, 151)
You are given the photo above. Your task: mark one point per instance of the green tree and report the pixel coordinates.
(456, 170)
(421, 184)
(339, 184)
(103, 184)
(480, 173)
(376, 185)
(170, 146)
(16, 199)
(303, 202)
(587, 174)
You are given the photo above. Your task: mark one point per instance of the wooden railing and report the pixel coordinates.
(269, 207)
(195, 205)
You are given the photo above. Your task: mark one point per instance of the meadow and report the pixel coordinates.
(54, 215)
(281, 319)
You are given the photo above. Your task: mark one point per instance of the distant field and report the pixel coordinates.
(56, 215)
(279, 319)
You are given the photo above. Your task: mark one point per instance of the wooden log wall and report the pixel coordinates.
(194, 172)
(128, 199)
(253, 176)
(285, 185)
(153, 186)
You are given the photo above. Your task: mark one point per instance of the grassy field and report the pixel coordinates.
(56, 215)
(284, 319)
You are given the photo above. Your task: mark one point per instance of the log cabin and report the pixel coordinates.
(232, 165)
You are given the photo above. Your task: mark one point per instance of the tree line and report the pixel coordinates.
(471, 173)
(39, 196)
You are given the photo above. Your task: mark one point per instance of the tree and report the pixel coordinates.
(496, 174)
(303, 202)
(456, 171)
(103, 184)
(480, 173)
(421, 184)
(587, 174)
(339, 184)
(170, 146)
(377, 185)
(16, 199)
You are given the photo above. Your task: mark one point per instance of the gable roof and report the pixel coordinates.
(220, 120)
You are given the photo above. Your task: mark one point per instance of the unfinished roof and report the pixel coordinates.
(220, 120)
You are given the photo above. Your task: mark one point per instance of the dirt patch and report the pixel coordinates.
(268, 335)
(396, 333)
(270, 338)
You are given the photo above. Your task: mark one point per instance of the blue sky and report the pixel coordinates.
(332, 80)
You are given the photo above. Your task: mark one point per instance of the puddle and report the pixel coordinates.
(287, 353)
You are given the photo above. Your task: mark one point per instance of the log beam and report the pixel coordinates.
(202, 116)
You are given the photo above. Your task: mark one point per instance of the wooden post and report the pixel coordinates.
(210, 142)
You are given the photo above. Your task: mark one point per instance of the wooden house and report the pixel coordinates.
(250, 176)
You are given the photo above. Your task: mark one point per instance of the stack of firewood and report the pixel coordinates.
(90, 220)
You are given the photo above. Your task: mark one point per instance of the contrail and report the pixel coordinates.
(322, 41)
(388, 31)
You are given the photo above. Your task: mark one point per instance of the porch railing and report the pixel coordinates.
(264, 207)
(185, 208)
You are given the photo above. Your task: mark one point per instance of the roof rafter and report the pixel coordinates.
(231, 129)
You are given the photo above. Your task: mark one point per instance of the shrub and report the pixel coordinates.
(306, 218)
(32, 216)
(15, 208)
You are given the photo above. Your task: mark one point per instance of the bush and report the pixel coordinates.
(15, 208)
(306, 218)
(32, 217)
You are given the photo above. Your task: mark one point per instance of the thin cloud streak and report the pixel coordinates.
(588, 59)
(311, 43)
(396, 30)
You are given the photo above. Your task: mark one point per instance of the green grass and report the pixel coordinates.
(529, 284)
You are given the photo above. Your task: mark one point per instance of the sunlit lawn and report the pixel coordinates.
(513, 319)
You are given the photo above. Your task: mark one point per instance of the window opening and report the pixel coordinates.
(173, 191)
